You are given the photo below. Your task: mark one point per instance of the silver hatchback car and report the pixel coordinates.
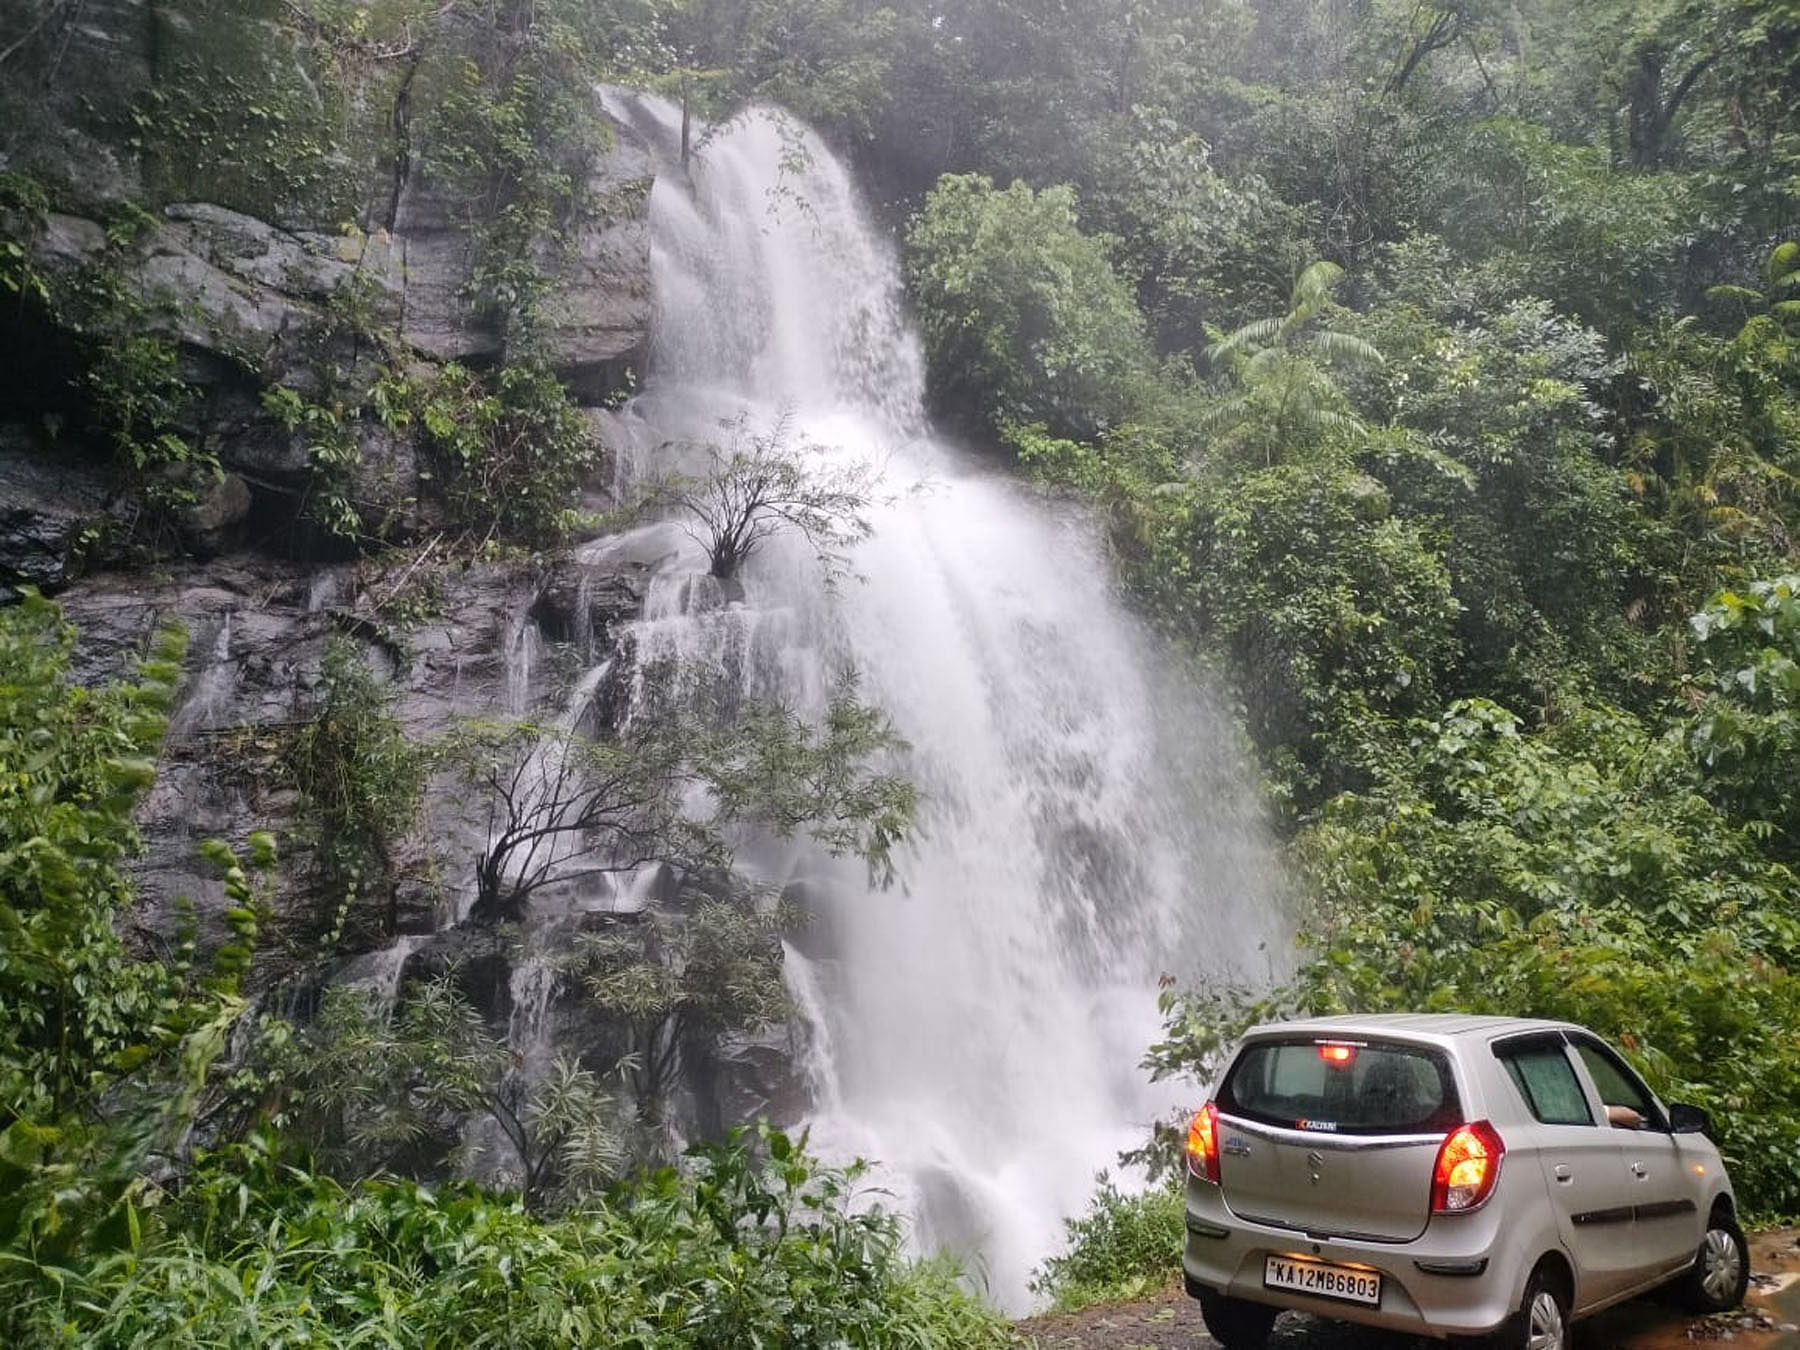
(1487, 1178)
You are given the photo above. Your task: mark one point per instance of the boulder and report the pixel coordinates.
(220, 505)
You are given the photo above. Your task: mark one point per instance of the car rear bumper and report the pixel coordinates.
(1459, 1278)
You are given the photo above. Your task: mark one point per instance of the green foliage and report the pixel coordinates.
(512, 453)
(361, 783)
(73, 764)
(1331, 614)
(23, 207)
(1127, 1246)
(1548, 218)
(1746, 722)
(1202, 247)
(103, 1054)
(827, 61)
(237, 115)
(1507, 457)
(680, 982)
(128, 378)
(1285, 401)
(1024, 317)
(515, 129)
(382, 1090)
(753, 1243)
(563, 805)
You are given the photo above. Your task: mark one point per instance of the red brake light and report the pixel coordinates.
(1338, 1056)
(1203, 1144)
(1468, 1164)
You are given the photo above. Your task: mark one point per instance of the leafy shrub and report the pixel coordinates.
(1023, 314)
(1126, 1246)
(361, 785)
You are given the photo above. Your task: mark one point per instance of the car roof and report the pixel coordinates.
(1434, 1026)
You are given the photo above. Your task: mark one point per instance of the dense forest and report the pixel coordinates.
(1433, 367)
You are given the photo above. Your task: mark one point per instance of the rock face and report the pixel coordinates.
(257, 633)
(601, 318)
(267, 264)
(288, 224)
(48, 498)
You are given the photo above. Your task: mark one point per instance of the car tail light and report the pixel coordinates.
(1337, 1054)
(1468, 1164)
(1203, 1144)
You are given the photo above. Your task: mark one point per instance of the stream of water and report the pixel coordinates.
(1085, 826)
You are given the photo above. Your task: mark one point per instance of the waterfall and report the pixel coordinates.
(1085, 827)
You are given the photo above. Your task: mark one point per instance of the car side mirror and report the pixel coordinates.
(1685, 1119)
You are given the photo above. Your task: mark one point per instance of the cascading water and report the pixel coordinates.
(976, 1029)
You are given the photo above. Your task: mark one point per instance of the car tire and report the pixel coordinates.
(1542, 1322)
(1236, 1323)
(1721, 1270)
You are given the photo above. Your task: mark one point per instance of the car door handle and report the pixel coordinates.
(1639, 1170)
(1562, 1173)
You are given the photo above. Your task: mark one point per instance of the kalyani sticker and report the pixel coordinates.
(1316, 1124)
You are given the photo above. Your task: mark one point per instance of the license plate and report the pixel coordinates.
(1323, 1280)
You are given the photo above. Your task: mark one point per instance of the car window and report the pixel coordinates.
(1618, 1085)
(1347, 1087)
(1546, 1080)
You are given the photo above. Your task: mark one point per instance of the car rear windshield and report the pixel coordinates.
(1342, 1086)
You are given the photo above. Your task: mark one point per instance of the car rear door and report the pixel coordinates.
(1581, 1161)
(1335, 1135)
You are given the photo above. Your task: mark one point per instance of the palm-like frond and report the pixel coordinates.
(1345, 348)
(1257, 333)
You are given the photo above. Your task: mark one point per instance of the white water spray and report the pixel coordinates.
(978, 1028)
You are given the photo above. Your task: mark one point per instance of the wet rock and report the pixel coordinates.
(257, 632)
(479, 961)
(69, 88)
(247, 292)
(221, 504)
(583, 603)
(49, 499)
(750, 1076)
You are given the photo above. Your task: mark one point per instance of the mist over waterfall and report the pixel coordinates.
(1084, 828)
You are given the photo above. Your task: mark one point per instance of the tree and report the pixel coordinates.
(1499, 446)
(564, 806)
(1024, 318)
(759, 485)
(1745, 729)
(361, 784)
(1285, 399)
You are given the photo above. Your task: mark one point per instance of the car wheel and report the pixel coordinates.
(1543, 1318)
(1721, 1270)
(1235, 1323)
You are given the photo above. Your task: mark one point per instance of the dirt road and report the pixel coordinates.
(1171, 1321)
